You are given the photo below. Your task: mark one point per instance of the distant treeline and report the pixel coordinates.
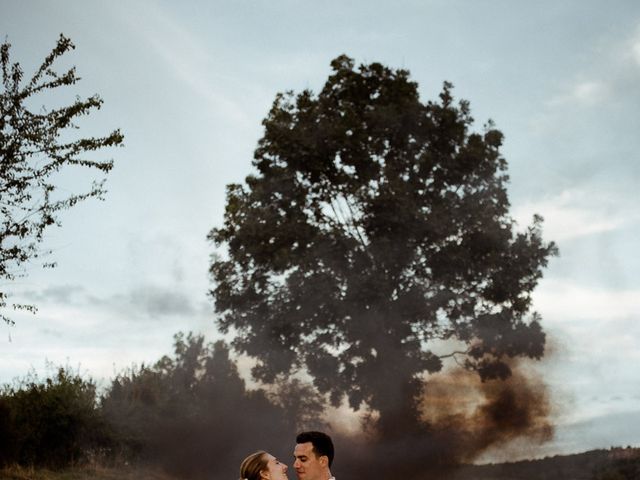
(191, 413)
(612, 464)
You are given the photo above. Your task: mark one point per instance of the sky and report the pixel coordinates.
(188, 84)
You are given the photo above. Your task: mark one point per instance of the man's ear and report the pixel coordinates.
(324, 460)
(265, 474)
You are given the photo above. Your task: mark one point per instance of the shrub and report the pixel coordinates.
(50, 423)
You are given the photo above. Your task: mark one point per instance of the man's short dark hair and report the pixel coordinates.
(322, 444)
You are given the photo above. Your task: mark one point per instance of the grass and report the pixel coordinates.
(17, 472)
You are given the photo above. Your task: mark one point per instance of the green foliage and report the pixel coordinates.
(175, 414)
(625, 467)
(51, 423)
(374, 227)
(188, 406)
(35, 146)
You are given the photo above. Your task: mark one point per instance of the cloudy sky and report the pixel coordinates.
(188, 83)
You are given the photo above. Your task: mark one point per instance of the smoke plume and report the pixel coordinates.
(462, 418)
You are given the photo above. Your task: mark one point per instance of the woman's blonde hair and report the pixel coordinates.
(251, 466)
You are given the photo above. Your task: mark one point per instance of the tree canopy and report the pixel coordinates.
(36, 145)
(194, 402)
(375, 228)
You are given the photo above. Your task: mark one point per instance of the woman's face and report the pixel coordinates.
(276, 470)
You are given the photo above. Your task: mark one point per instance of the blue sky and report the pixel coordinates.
(188, 84)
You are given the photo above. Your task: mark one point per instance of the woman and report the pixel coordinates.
(262, 465)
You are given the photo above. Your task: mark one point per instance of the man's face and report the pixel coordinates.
(306, 464)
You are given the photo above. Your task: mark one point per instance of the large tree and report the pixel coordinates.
(36, 145)
(375, 229)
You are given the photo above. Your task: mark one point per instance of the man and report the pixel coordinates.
(313, 456)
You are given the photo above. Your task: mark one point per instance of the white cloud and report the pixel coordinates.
(561, 302)
(608, 79)
(635, 48)
(574, 213)
(185, 55)
(103, 334)
(607, 76)
(594, 335)
(588, 92)
(582, 93)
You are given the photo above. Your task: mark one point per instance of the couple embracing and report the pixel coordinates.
(313, 456)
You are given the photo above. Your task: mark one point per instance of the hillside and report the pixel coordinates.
(612, 464)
